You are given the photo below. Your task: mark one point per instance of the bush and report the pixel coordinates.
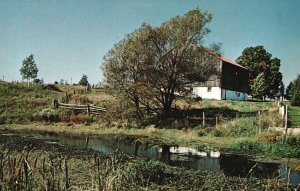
(203, 148)
(241, 127)
(51, 87)
(292, 140)
(78, 119)
(217, 133)
(49, 115)
(250, 147)
(79, 99)
(64, 118)
(246, 146)
(205, 131)
(270, 137)
(143, 172)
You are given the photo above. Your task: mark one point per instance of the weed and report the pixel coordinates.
(143, 172)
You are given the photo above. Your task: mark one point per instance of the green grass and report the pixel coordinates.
(29, 109)
(20, 104)
(294, 116)
(284, 147)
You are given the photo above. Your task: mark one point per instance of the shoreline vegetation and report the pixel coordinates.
(242, 128)
(251, 146)
(28, 163)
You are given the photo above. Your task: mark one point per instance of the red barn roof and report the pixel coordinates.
(221, 57)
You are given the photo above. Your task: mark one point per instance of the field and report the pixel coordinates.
(294, 116)
(232, 127)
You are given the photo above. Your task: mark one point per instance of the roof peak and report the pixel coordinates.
(220, 56)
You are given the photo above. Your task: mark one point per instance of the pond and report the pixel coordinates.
(230, 165)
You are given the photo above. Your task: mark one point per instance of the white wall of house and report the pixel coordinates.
(208, 93)
(218, 94)
(234, 95)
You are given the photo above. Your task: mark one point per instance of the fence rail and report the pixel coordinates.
(290, 119)
(89, 109)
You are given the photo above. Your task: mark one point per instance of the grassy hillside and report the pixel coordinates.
(241, 126)
(20, 104)
(294, 116)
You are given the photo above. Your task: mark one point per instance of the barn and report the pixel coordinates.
(231, 83)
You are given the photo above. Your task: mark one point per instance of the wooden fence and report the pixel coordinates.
(89, 109)
(289, 118)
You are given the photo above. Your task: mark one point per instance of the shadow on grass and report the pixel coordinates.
(194, 117)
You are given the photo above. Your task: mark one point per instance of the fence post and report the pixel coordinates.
(286, 118)
(88, 109)
(203, 119)
(216, 122)
(87, 139)
(55, 103)
(66, 174)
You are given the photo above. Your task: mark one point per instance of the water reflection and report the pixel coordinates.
(231, 165)
(236, 165)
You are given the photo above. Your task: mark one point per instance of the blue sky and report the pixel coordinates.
(69, 37)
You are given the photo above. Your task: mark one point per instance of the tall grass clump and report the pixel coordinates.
(254, 147)
(246, 126)
(145, 172)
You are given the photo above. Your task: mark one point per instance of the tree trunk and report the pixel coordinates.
(137, 107)
(168, 105)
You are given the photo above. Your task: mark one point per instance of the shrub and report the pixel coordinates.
(218, 133)
(292, 140)
(66, 98)
(49, 115)
(2, 119)
(241, 127)
(64, 118)
(51, 87)
(205, 131)
(270, 137)
(203, 148)
(143, 172)
(283, 150)
(246, 146)
(78, 119)
(79, 99)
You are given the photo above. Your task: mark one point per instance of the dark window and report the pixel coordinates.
(208, 89)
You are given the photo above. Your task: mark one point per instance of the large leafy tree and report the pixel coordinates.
(259, 87)
(295, 92)
(288, 91)
(258, 61)
(149, 65)
(29, 69)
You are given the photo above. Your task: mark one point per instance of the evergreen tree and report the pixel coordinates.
(84, 80)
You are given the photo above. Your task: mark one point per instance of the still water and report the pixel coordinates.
(230, 165)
